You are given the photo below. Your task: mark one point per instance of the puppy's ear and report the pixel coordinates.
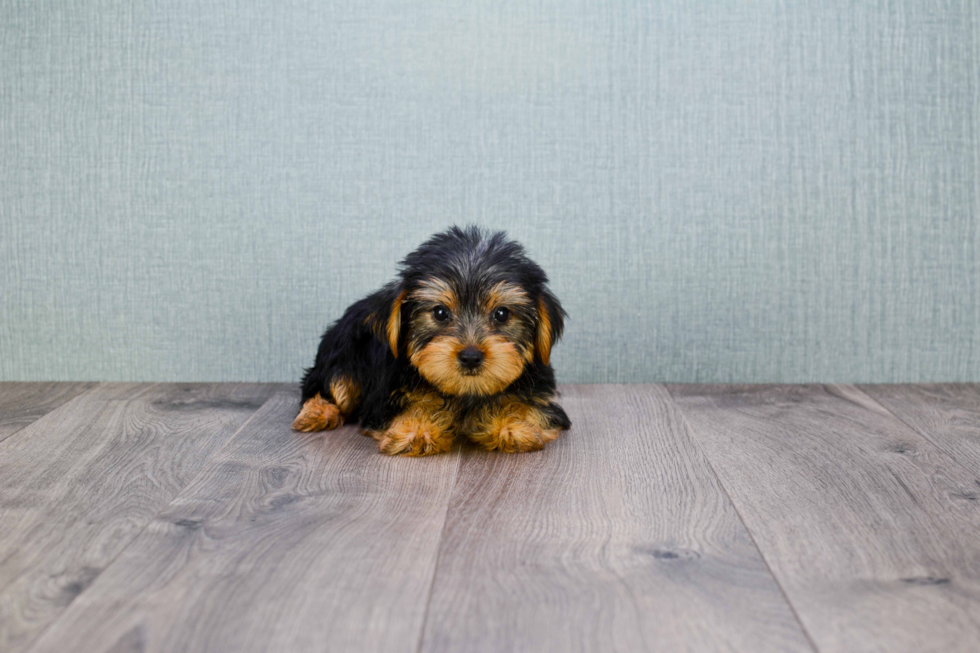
(384, 314)
(551, 322)
(393, 327)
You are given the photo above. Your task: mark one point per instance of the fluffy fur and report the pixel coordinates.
(458, 344)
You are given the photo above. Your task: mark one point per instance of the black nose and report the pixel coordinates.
(470, 358)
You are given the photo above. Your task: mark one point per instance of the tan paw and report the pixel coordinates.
(517, 437)
(318, 414)
(510, 426)
(413, 437)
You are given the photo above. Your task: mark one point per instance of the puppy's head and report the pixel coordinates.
(472, 311)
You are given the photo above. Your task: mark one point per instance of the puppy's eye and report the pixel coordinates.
(501, 315)
(440, 313)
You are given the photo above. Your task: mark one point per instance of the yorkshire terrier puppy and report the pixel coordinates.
(459, 344)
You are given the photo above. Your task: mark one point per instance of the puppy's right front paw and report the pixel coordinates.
(318, 414)
(413, 437)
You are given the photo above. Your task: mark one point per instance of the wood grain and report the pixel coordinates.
(861, 519)
(285, 542)
(616, 537)
(77, 485)
(947, 414)
(22, 403)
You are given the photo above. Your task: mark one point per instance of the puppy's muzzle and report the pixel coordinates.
(470, 358)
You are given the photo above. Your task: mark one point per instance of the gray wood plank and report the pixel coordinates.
(947, 414)
(860, 518)
(616, 537)
(77, 485)
(285, 542)
(23, 403)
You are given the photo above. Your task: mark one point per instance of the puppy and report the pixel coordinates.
(458, 344)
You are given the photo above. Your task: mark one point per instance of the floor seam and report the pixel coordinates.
(921, 433)
(28, 570)
(33, 644)
(442, 537)
(741, 519)
(83, 393)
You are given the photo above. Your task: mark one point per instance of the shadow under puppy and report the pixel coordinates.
(458, 344)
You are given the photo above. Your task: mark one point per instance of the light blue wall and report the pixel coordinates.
(721, 191)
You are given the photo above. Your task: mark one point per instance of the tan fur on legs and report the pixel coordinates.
(424, 427)
(510, 426)
(317, 414)
(346, 393)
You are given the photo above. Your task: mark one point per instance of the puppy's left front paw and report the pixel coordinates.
(518, 437)
(513, 427)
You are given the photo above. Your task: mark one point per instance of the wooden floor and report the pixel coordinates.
(138, 517)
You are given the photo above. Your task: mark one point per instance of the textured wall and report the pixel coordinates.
(765, 191)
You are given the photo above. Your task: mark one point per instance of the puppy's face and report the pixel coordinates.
(471, 312)
(470, 340)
